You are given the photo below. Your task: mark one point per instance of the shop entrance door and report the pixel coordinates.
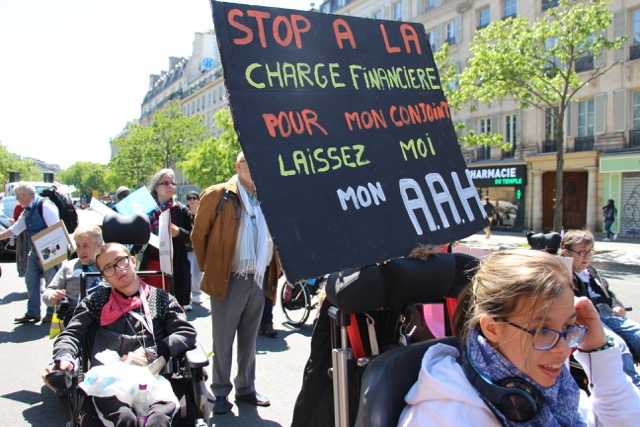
(574, 204)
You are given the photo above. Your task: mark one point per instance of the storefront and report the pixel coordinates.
(504, 185)
(621, 180)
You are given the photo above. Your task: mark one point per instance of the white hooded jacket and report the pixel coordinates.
(443, 396)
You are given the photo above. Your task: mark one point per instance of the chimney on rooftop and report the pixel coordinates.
(153, 78)
(173, 61)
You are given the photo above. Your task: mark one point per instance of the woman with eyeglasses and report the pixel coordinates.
(518, 322)
(587, 282)
(163, 189)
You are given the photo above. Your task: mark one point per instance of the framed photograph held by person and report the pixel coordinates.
(52, 245)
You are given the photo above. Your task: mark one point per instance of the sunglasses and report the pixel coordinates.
(193, 198)
(171, 183)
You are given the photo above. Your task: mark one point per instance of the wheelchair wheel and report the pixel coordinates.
(295, 303)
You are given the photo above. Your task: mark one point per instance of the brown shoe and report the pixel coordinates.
(27, 318)
(47, 318)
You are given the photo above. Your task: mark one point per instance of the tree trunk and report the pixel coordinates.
(559, 137)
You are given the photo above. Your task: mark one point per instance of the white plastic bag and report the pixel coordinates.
(118, 379)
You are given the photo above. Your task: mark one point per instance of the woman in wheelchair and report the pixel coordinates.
(518, 322)
(126, 317)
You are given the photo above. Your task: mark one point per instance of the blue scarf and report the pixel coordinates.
(560, 407)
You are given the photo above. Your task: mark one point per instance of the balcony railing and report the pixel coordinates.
(583, 143)
(634, 51)
(549, 146)
(634, 138)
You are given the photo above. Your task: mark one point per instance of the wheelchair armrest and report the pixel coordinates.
(197, 358)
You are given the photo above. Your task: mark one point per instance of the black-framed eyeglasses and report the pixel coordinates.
(584, 253)
(547, 338)
(171, 183)
(110, 270)
(193, 198)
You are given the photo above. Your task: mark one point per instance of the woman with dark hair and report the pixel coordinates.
(609, 212)
(518, 323)
(163, 187)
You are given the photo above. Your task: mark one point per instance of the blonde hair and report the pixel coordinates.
(93, 231)
(503, 280)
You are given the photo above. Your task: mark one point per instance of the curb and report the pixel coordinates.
(616, 267)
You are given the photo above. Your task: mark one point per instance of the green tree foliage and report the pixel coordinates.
(145, 150)
(534, 64)
(212, 161)
(86, 176)
(11, 162)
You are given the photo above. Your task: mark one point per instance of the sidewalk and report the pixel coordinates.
(621, 255)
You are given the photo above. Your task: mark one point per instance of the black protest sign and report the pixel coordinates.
(347, 134)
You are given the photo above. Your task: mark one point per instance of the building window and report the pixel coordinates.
(397, 11)
(451, 32)
(549, 144)
(634, 133)
(484, 17)
(377, 14)
(586, 125)
(586, 61)
(510, 129)
(634, 50)
(510, 9)
(586, 118)
(484, 151)
(432, 40)
(548, 4)
(428, 4)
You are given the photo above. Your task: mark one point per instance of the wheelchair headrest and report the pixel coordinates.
(401, 281)
(549, 242)
(128, 230)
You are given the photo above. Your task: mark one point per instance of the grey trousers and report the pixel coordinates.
(240, 313)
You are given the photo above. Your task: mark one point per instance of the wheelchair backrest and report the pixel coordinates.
(387, 380)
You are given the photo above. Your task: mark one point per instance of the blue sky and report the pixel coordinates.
(74, 72)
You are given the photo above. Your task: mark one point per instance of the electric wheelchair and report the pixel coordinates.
(186, 373)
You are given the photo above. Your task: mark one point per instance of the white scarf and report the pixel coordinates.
(253, 256)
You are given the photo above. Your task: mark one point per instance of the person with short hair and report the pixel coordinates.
(518, 322)
(588, 282)
(66, 282)
(138, 321)
(32, 221)
(234, 250)
(162, 187)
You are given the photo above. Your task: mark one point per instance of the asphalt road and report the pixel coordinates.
(26, 350)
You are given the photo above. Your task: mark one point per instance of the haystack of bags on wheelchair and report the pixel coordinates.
(517, 322)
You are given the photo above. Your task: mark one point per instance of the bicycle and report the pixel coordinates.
(298, 300)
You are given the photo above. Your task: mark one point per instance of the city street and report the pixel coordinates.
(25, 401)
(26, 350)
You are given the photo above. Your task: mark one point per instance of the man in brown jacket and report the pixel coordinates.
(234, 250)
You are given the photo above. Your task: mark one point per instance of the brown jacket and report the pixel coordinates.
(214, 238)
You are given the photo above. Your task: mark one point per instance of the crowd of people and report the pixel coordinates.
(517, 326)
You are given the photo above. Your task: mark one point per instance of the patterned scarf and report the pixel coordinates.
(560, 407)
(118, 304)
(154, 215)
